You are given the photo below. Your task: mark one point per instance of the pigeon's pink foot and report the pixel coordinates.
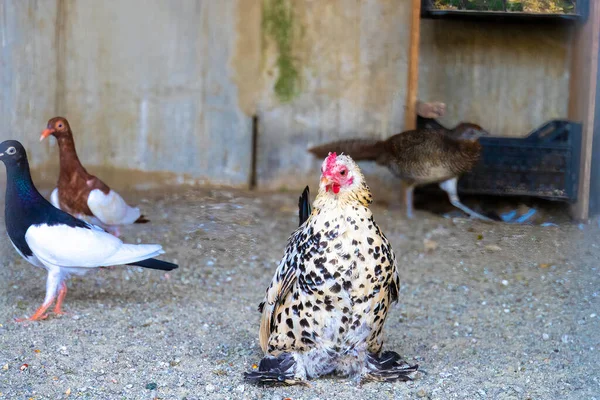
(62, 292)
(40, 314)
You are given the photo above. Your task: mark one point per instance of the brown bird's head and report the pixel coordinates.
(57, 127)
(340, 174)
(468, 132)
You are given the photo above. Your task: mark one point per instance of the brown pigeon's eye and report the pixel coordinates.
(60, 125)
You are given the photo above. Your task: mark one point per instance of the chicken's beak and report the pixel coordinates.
(325, 180)
(46, 132)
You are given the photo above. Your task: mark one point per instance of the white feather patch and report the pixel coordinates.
(54, 198)
(111, 209)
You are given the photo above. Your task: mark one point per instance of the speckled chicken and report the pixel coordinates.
(420, 157)
(327, 303)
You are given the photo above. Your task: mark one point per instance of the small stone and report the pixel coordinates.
(421, 393)
(545, 336)
(493, 247)
(565, 339)
(209, 388)
(592, 315)
(130, 386)
(507, 310)
(151, 386)
(430, 245)
(240, 389)
(504, 282)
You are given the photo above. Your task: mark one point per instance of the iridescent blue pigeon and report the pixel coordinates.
(56, 241)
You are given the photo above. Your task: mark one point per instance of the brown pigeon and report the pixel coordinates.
(81, 194)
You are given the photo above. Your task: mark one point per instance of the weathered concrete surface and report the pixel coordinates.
(27, 71)
(150, 83)
(496, 311)
(352, 59)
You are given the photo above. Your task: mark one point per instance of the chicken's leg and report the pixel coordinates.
(408, 199)
(449, 187)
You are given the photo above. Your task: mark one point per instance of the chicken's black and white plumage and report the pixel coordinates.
(325, 308)
(52, 239)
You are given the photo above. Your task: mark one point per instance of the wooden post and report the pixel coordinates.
(582, 100)
(410, 118)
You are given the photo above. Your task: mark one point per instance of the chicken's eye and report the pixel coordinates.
(343, 172)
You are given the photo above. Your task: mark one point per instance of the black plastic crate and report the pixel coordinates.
(543, 164)
(572, 10)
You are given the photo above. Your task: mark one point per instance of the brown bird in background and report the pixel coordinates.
(420, 157)
(81, 194)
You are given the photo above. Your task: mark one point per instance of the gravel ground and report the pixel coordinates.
(489, 311)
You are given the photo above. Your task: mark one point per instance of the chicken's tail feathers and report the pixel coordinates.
(304, 208)
(275, 370)
(388, 367)
(153, 263)
(358, 149)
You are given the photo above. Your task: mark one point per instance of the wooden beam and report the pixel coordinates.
(582, 99)
(410, 118)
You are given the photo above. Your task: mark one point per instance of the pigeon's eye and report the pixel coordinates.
(11, 150)
(60, 125)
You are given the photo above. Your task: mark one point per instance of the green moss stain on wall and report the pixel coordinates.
(278, 24)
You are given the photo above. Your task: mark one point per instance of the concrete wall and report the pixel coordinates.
(159, 85)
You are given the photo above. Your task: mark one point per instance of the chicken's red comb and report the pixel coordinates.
(330, 161)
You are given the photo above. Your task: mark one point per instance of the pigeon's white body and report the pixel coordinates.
(66, 246)
(109, 209)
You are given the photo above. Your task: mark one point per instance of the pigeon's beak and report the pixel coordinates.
(46, 132)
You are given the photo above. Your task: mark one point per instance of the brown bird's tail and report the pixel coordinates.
(141, 220)
(358, 149)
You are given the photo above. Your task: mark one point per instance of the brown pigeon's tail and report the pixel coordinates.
(141, 220)
(358, 149)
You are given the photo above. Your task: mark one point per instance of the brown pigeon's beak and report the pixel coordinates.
(46, 133)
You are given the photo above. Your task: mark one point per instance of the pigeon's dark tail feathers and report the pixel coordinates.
(278, 370)
(304, 206)
(141, 220)
(153, 263)
(388, 367)
(358, 149)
